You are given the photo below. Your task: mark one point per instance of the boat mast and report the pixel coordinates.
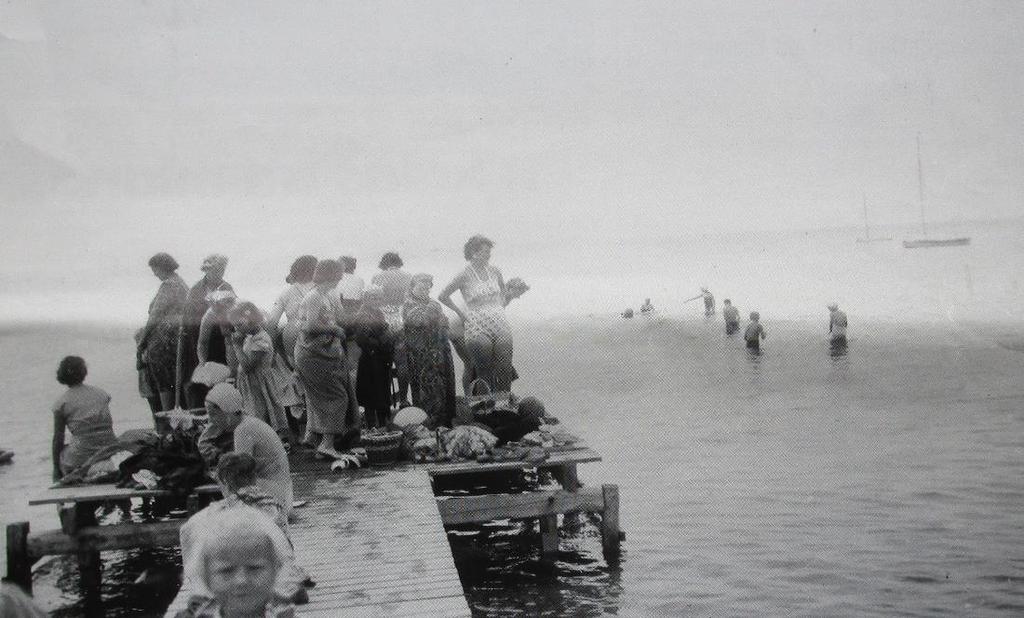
(920, 186)
(867, 231)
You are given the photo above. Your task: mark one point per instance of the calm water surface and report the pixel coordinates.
(883, 480)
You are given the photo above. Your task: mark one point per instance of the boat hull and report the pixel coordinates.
(938, 242)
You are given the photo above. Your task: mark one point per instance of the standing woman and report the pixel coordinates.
(429, 356)
(488, 334)
(287, 305)
(196, 304)
(395, 283)
(261, 374)
(320, 361)
(373, 375)
(157, 349)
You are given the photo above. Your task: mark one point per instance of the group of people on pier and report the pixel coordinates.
(331, 344)
(330, 349)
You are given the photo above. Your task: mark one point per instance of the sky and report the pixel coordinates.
(131, 127)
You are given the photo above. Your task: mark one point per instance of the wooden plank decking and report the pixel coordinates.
(374, 543)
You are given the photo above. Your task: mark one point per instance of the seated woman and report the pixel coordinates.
(84, 411)
(234, 565)
(250, 435)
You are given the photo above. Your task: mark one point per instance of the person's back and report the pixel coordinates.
(273, 473)
(754, 332)
(732, 317)
(86, 413)
(395, 283)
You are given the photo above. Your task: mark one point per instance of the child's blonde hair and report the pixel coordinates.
(226, 524)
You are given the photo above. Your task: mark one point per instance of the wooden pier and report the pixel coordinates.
(373, 540)
(374, 543)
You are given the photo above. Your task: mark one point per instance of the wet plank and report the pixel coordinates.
(374, 542)
(555, 460)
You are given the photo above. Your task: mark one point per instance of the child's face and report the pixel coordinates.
(241, 574)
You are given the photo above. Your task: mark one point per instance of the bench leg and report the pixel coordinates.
(610, 523)
(549, 536)
(568, 478)
(19, 562)
(90, 566)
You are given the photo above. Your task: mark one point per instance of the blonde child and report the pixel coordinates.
(234, 566)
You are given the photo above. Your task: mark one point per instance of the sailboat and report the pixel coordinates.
(924, 243)
(867, 230)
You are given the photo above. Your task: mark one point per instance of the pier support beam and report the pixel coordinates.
(610, 537)
(549, 536)
(19, 561)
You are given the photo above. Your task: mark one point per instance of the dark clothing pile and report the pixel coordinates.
(174, 459)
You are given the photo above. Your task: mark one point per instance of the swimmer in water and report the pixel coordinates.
(755, 332)
(732, 317)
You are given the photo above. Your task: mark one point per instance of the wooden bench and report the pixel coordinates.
(545, 505)
(81, 534)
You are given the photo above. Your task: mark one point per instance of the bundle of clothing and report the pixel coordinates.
(172, 463)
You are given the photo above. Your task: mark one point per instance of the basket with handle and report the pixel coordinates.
(488, 401)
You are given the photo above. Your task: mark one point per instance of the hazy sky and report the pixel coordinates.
(143, 124)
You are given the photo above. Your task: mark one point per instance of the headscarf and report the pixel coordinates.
(225, 397)
(327, 271)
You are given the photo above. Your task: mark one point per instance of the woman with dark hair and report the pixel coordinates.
(429, 356)
(395, 283)
(157, 348)
(320, 361)
(261, 378)
(488, 335)
(373, 375)
(84, 411)
(301, 279)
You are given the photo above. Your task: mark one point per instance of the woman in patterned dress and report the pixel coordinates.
(157, 349)
(428, 353)
(488, 334)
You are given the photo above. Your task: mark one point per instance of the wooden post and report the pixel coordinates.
(610, 523)
(568, 478)
(90, 567)
(549, 536)
(19, 562)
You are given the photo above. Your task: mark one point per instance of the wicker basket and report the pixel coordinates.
(382, 448)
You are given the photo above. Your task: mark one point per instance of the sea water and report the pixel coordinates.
(880, 479)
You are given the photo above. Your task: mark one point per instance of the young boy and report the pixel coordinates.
(755, 332)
